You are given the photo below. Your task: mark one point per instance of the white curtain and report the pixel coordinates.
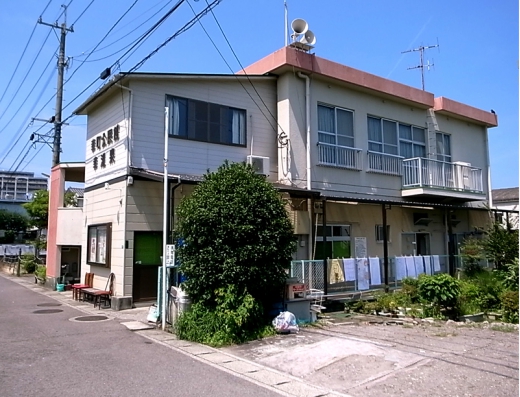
(173, 105)
(238, 127)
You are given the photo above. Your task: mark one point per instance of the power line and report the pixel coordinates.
(246, 75)
(83, 12)
(29, 94)
(23, 53)
(26, 75)
(185, 28)
(121, 38)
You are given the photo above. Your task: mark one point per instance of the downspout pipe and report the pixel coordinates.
(129, 128)
(308, 152)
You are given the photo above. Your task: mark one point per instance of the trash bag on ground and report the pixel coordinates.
(285, 322)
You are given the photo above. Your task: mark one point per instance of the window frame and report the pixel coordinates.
(443, 156)
(335, 134)
(192, 120)
(379, 234)
(384, 144)
(108, 245)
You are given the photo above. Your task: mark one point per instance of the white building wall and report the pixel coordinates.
(70, 228)
(113, 112)
(468, 140)
(106, 206)
(192, 157)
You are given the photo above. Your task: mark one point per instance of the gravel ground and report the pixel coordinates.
(369, 356)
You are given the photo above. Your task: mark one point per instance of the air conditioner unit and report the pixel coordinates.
(462, 177)
(260, 164)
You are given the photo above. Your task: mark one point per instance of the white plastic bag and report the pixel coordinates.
(153, 314)
(285, 322)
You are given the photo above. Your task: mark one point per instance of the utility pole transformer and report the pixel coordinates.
(56, 147)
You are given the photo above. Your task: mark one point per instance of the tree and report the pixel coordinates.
(12, 223)
(236, 232)
(501, 246)
(38, 210)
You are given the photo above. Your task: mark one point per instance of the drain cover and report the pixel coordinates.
(91, 318)
(47, 311)
(49, 304)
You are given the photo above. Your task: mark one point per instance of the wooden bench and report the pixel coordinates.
(99, 295)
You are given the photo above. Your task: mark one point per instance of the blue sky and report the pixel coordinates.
(476, 63)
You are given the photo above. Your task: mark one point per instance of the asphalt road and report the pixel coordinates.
(48, 355)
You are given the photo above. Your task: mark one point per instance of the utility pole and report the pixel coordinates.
(56, 147)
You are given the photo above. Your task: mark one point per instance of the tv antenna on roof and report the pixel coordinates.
(421, 66)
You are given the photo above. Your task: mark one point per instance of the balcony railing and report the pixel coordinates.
(420, 172)
(339, 156)
(384, 163)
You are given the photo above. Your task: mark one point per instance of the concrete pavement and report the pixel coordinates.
(357, 358)
(270, 379)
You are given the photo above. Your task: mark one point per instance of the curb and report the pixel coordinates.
(269, 378)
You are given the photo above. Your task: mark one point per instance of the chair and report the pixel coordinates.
(102, 295)
(76, 288)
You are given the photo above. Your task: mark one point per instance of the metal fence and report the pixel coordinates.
(365, 274)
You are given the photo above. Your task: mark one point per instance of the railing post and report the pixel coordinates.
(420, 173)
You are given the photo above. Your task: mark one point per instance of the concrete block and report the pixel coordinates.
(121, 302)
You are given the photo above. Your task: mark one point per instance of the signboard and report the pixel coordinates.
(170, 254)
(360, 247)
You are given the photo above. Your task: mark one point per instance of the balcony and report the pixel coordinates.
(383, 163)
(429, 177)
(339, 156)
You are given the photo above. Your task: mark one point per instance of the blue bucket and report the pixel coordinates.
(60, 287)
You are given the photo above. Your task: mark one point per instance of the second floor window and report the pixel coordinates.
(335, 126)
(443, 147)
(391, 137)
(206, 122)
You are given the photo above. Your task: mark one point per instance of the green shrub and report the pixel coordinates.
(509, 302)
(489, 288)
(441, 290)
(472, 252)
(386, 302)
(469, 299)
(237, 318)
(410, 288)
(236, 231)
(509, 276)
(29, 263)
(41, 272)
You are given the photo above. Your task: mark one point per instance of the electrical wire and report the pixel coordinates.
(29, 94)
(26, 75)
(229, 66)
(185, 28)
(80, 15)
(23, 53)
(74, 72)
(242, 67)
(84, 53)
(11, 146)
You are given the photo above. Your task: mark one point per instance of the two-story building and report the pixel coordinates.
(359, 158)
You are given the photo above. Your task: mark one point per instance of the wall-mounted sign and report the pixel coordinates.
(101, 147)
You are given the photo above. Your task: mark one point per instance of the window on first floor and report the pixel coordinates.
(206, 122)
(398, 139)
(379, 233)
(99, 242)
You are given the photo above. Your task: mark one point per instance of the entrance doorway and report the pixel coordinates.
(147, 259)
(415, 244)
